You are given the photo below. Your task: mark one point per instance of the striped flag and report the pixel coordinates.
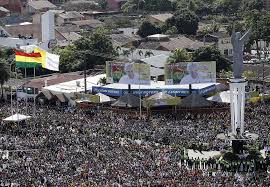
(27, 60)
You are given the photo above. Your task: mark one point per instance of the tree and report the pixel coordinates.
(210, 53)
(249, 5)
(147, 28)
(140, 52)
(100, 44)
(259, 22)
(148, 54)
(229, 6)
(4, 75)
(103, 4)
(185, 21)
(126, 53)
(132, 49)
(179, 55)
(148, 5)
(102, 81)
(68, 59)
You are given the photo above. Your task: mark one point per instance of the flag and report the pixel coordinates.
(49, 61)
(27, 60)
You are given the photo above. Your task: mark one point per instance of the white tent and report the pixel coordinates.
(222, 97)
(104, 98)
(16, 118)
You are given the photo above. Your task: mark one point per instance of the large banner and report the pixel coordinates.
(190, 73)
(127, 73)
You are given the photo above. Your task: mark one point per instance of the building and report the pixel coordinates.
(39, 6)
(180, 42)
(267, 4)
(4, 12)
(68, 17)
(123, 40)
(115, 5)
(159, 18)
(224, 43)
(88, 25)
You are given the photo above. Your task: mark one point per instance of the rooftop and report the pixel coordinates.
(53, 79)
(38, 5)
(70, 15)
(161, 17)
(122, 39)
(3, 9)
(88, 22)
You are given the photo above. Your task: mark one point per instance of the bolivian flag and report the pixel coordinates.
(27, 60)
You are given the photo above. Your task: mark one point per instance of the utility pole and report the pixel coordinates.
(84, 73)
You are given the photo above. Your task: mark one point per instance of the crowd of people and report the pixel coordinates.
(64, 147)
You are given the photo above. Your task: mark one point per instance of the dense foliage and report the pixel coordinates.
(212, 54)
(147, 28)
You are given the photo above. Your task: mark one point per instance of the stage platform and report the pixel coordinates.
(117, 90)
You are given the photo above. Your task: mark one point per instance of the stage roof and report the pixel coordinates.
(16, 118)
(75, 85)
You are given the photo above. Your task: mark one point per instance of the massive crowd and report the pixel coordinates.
(64, 147)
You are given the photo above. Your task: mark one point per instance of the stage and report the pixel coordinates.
(117, 90)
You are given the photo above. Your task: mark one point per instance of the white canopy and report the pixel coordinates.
(16, 118)
(222, 97)
(104, 98)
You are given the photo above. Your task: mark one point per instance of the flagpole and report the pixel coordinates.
(34, 112)
(26, 95)
(11, 100)
(140, 89)
(17, 105)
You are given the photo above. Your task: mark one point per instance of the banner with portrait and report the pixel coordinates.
(190, 73)
(127, 73)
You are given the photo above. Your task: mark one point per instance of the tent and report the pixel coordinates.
(222, 97)
(161, 99)
(160, 95)
(195, 101)
(127, 100)
(104, 98)
(17, 118)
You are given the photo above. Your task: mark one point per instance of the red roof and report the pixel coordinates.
(53, 79)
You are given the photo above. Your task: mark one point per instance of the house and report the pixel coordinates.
(159, 18)
(93, 14)
(25, 31)
(180, 42)
(58, 2)
(4, 2)
(39, 6)
(115, 5)
(4, 12)
(12, 5)
(89, 24)
(68, 17)
(224, 43)
(128, 31)
(267, 4)
(80, 5)
(123, 40)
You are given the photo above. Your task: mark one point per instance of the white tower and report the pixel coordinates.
(237, 98)
(48, 30)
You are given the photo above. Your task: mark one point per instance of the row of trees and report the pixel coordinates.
(6, 62)
(182, 22)
(200, 7)
(207, 53)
